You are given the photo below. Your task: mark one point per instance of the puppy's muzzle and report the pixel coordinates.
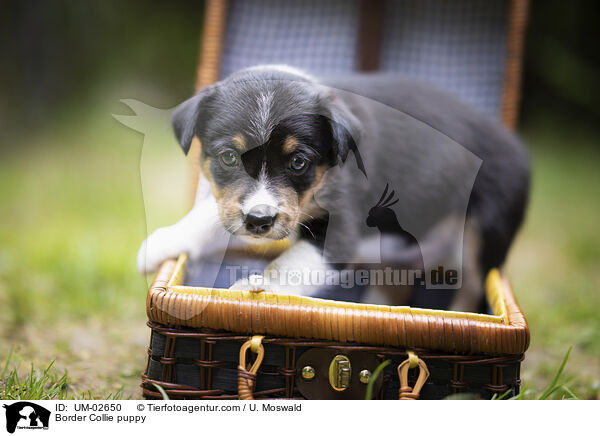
(260, 219)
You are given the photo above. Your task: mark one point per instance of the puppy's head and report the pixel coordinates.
(268, 137)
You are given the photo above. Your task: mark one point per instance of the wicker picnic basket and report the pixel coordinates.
(211, 343)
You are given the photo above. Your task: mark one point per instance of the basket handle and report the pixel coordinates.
(247, 377)
(405, 391)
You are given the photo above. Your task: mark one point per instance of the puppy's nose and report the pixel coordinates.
(260, 219)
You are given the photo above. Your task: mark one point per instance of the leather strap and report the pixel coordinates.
(247, 377)
(405, 391)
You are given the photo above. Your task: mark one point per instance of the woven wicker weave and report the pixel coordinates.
(197, 332)
(505, 332)
(191, 350)
(202, 364)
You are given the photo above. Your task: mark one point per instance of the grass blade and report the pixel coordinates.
(503, 396)
(8, 359)
(572, 396)
(162, 391)
(554, 386)
(374, 377)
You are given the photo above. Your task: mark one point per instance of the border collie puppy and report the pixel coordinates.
(369, 169)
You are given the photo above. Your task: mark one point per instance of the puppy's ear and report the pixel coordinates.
(345, 128)
(187, 117)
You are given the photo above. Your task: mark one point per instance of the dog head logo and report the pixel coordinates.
(26, 415)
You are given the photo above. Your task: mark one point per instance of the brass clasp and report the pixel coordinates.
(340, 372)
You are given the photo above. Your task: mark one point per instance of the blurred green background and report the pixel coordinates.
(73, 213)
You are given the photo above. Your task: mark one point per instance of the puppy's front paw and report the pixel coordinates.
(154, 250)
(254, 282)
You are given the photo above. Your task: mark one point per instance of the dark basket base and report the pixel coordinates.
(202, 364)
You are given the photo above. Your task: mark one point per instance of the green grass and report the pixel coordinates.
(35, 385)
(72, 221)
(38, 384)
(554, 263)
(557, 389)
(73, 218)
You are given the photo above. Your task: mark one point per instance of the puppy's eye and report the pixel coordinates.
(298, 164)
(229, 158)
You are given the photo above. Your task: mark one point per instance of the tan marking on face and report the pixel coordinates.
(307, 197)
(205, 168)
(240, 142)
(228, 198)
(290, 144)
(229, 207)
(288, 209)
(294, 209)
(309, 207)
